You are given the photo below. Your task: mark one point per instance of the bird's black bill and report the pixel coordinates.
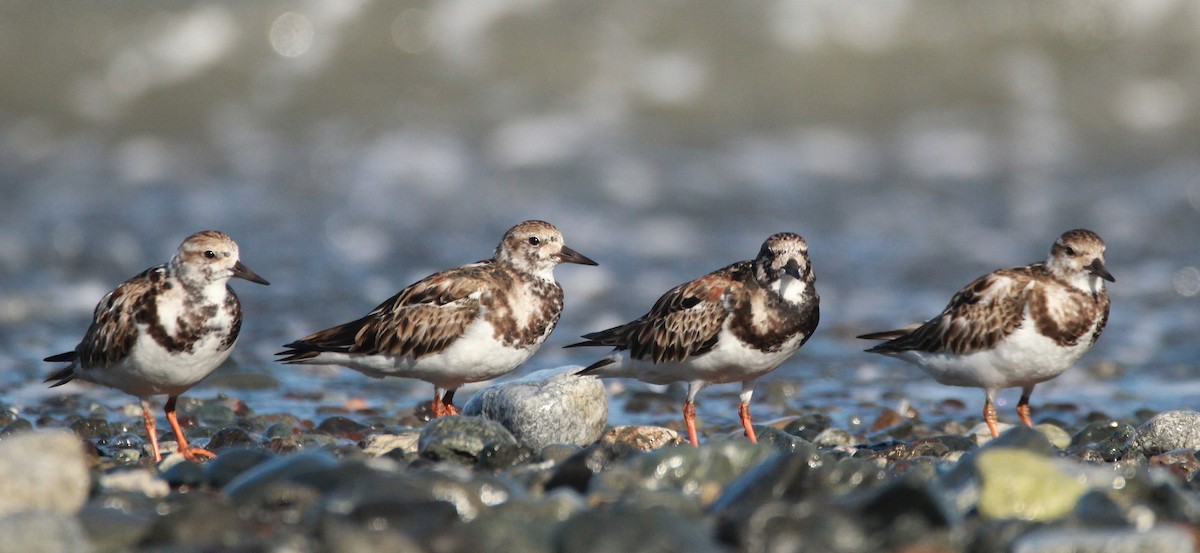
(1097, 268)
(567, 255)
(240, 270)
(792, 268)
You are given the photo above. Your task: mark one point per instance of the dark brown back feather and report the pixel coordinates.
(684, 322)
(424, 318)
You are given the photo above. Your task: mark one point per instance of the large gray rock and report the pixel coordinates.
(42, 532)
(1167, 432)
(43, 470)
(550, 406)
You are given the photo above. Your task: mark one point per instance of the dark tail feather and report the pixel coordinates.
(297, 351)
(588, 369)
(885, 335)
(61, 377)
(582, 344)
(66, 356)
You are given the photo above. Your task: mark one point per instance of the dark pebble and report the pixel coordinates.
(465, 439)
(185, 474)
(343, 427)
(18, 425)
(786, 479)
(557, 453)
(1104, 439)
(808, 425)
(230, 436)
(254, 484)
(621, 528)
(232, 462)
(91, 429)
(778, 440)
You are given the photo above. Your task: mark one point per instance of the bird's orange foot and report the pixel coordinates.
(196, 454)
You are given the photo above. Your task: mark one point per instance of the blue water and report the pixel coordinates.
(353, 147)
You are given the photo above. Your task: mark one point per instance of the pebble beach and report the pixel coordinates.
(352, 148)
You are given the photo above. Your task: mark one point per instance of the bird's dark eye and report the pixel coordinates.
(1070, 251)
(210, 254)
(533, 240)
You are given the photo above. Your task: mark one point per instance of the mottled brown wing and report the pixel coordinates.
(683, 322)
(424, 318)
(977, 317)
(113, 331)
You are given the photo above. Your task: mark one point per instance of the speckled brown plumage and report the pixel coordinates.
(465, 324)
(732, 325)
(428, 316)
(1013, 327)
(165, 329)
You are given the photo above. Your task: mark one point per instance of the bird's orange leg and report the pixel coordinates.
(151, 430)
(744, 413)
(689, 418)
(1023, 409)
(989, 416)
(190, 453)
(448, 402)
(744, 410)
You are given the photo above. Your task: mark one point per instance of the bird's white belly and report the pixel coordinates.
(1023, 359)
(150, 369)
(730, 361)
(473, 357)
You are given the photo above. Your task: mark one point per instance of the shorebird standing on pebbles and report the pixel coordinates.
(731, 325)
(1013, 327)
(164, 330)
(467, 324)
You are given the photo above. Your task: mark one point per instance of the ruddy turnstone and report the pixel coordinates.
(467, 324)
(731, 325)
(1013, 327)
(164, 330)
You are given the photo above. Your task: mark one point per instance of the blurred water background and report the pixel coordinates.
(352, 147)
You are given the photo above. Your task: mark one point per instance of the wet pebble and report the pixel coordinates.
(214, 414)
(255, 484)
(14, 427)
(1058, 437)
(139, 480)
(699, 472)
(401, 443)
(230, 436)
(1103, 441)
(91, 429)
(1167, 432)
(528, 524)
(808, 425)
(343, 427)
(464, 439)
(773, 487)
(833, 437)
(545, 407)
(233, 462)
(1025, 485)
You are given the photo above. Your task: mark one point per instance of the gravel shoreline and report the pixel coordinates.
(77, 479)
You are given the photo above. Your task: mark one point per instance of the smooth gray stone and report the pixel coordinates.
(463, 438)
(43, 532)
(43, 470)
(1167, 432)
(550, 406)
